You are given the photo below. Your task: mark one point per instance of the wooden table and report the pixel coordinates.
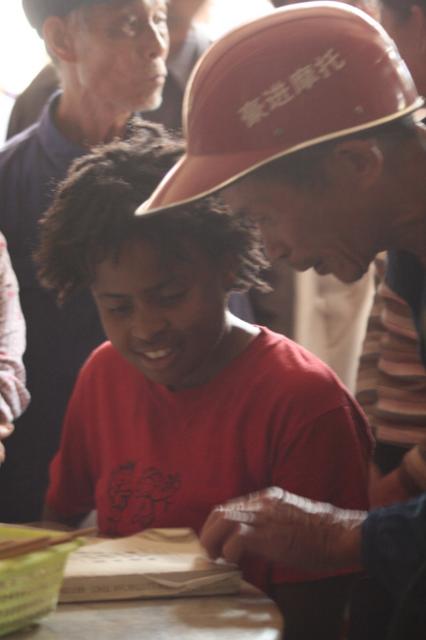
(248, 616)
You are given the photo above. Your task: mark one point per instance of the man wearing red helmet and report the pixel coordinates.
(301, 142)
(304, 120)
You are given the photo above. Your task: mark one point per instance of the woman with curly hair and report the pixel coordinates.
(186, 405)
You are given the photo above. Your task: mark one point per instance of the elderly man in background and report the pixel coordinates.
(110, 57)
(187, 42)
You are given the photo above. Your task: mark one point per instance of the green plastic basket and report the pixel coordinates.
(29, 584)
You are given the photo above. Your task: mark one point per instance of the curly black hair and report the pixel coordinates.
(92, 216)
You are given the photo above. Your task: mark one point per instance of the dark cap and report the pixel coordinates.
(38, 10)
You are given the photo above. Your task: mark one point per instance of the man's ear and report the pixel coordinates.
(58, 38)
(361, 160)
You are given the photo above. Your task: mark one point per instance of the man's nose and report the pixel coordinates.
(156, 41)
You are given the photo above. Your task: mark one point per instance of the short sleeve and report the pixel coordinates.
(70, 491)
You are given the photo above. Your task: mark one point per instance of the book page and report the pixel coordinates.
(155, 562)
(151, 551)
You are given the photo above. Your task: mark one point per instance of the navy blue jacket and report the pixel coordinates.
(58, 339)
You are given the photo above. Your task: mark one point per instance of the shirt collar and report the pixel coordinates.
(58, 148)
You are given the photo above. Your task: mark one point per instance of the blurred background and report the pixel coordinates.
(22, 53)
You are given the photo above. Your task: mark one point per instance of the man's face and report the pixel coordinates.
(165, 315)
(307, 226)
(121, 48)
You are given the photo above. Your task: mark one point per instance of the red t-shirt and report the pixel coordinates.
(144, 456)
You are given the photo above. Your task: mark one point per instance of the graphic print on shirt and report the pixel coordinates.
(137, 495)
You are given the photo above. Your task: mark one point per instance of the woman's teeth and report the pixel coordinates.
(155, 355)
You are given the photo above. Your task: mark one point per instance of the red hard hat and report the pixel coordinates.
(294, 78)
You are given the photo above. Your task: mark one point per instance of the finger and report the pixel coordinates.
(248, 540)
(271, 493)
(237, 543)
(2, 453)
(268, 521)
(251, 516)
(257, 513)
(215, 533)
(215, 514)
(5, 430)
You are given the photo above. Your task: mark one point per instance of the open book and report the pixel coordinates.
(153, 563)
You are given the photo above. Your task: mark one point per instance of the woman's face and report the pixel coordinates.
(166, 315)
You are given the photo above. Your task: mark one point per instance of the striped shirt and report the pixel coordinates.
(391, 385)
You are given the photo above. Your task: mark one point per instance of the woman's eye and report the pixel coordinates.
(120, 310)
(172, 298)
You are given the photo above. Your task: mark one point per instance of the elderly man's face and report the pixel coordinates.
(121, 47)
(307, 226)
